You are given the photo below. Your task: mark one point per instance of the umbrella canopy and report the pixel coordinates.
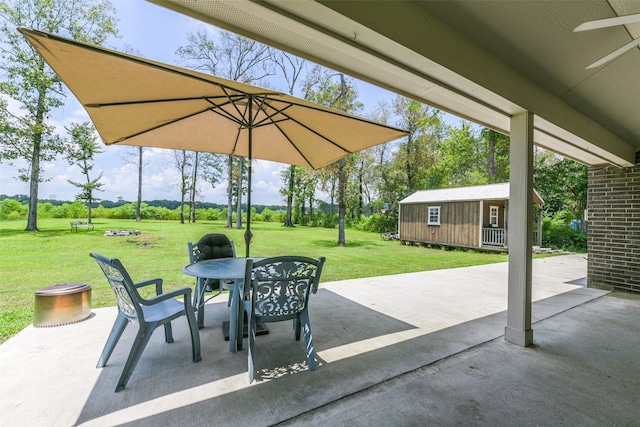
(136, 101)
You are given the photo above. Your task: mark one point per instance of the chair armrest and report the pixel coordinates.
(157, 281)
(186, 292)
(316, 279)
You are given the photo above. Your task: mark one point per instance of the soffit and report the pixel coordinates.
(482, 60)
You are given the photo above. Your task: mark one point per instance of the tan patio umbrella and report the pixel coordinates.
(136, 101)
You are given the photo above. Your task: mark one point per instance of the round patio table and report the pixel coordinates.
(229, 269)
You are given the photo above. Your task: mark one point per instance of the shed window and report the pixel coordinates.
(493, 216)
(434, 215)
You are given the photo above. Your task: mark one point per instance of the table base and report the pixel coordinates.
(261, 329)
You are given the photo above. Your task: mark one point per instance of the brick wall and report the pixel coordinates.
(614, 227)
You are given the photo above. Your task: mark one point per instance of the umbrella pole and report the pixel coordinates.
(247, 234)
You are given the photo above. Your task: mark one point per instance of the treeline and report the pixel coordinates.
(558, 232)
(168, 204)
(17, 209)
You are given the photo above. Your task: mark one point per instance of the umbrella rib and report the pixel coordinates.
(263, 101)
(235, 105)
(269, 116)
(282, 111)
(294, 145)
(231, 99)
(158, 127)
(246, 121)
(153, 101)
(235, 144)
(224, 113)
(333, 111)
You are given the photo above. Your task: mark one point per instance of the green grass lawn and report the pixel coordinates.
(30, 261)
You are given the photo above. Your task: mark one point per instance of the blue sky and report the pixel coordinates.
(156, 33)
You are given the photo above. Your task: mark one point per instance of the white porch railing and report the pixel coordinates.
(494, 237)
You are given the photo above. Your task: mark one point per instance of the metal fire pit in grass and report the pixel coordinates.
(62, 304)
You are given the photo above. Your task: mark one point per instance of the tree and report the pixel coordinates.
(211, 167)
(320, 88)
(461, 160)
(81, 150)
(182, 164)
(469, 155)
(194, 187)
(562, 184)
(135, 157)
(29, 82)
(289, 178)
(419, 152)
(239, 192)
(383, 174)
(497, 155)
(230, 191)
(291, 67)
(236, 58)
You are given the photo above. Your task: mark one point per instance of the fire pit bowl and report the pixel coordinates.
(62, 304)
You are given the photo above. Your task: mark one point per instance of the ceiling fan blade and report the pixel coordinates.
(608, 22)
(615, 54)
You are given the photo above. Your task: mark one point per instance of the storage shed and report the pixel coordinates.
(473, 217)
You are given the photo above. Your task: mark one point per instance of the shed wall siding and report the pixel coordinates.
(459, 224)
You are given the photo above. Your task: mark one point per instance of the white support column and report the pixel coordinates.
(520, 232)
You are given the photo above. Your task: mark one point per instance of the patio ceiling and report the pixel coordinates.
(481, 60)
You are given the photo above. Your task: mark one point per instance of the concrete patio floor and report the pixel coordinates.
(412, 349)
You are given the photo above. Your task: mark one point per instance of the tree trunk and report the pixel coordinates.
(288, 221)
(409, 166)
(333, 197)
(239, 196)
(138, 208)
(342, 204)
(491, 159)
(34, 180)
(229, 191)
(303, 209)
(32, 220)
(192, 193)
(183, 185)
(360, 192)
(90, 192)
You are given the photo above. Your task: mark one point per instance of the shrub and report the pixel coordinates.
(558, 234)
(76, 209)
(45, 210)
(101, 212)
(268, 215)
(377, 223)
(12, 209)
(209, 214)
